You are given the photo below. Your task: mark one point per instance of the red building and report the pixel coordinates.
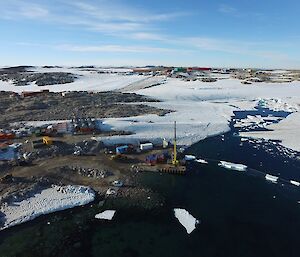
(198, 69)
(34, 93)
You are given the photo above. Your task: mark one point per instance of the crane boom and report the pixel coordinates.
(175, 161)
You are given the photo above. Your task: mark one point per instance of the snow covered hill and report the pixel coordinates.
(201, 109)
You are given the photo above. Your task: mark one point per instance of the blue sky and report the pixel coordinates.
(229, 33)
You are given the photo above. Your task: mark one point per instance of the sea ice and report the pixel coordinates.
(271, 178)
(201, 161)
(232, 166)
(276, 104)
(295, 183)
(286, 131)
(201, 109)
(189, 157)
(186, 219)
(106, 215)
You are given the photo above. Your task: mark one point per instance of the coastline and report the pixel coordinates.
(186, 101)
(79, 225)
(134, 195)
(46, 201)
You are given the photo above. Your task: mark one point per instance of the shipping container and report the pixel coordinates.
(7, 136)
(122, 149)
(146, 146)
(180, 69)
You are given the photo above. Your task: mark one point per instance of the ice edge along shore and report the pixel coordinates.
(47, 201)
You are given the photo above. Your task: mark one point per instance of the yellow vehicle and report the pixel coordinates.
(47, 140)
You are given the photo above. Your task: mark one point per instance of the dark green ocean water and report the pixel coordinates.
(241, 214)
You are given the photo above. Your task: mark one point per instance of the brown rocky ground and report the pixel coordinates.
(54, 106)
(57, 165)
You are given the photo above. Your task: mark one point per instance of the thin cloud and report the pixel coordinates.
(114, 48)
(237, 47)
(123, 22)
(107, 11)
(217, 44)
(224, 8)
(250, 48)
(147, 36)
(34, 11)
(16, 9)
(103, 17)
(231, 11)
(106, 27)
(31, 44)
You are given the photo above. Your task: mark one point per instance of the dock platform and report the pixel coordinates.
(161, 168)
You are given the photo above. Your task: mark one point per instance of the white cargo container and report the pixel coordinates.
(146, 146)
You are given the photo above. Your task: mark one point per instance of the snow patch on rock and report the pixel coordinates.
(47, 201)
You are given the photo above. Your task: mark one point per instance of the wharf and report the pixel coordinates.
(161, 168)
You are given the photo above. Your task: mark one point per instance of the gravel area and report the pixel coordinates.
(56, 106)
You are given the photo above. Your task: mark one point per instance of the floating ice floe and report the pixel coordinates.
(276, 104)
(201, 161)
(295, 183)
(47, 201)
(189, 157)
(106, 215)
(286, 132)
(232, 166)
(186, 219)
(271, 178)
